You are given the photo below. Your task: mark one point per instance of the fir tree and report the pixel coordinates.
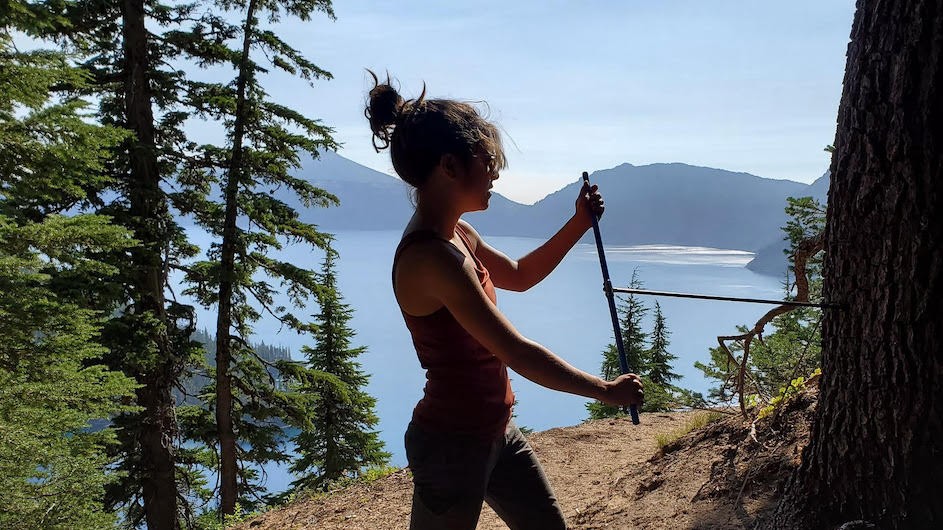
(340, 442)
(657, 375)
(53, 293)
(53, 469)
(631, 315)
(126, 50)
(252, 216)
(659, 359)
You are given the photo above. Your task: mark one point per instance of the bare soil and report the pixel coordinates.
(611, 474)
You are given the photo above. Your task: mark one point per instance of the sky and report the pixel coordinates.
(581, 86)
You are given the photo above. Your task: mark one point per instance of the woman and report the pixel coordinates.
(461, 444)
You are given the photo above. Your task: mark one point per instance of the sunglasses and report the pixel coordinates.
(489, 160)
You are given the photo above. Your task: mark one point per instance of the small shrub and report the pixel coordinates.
(371, 474)
(794, 387)
(376, 473)
(698, 421)
(209, 520)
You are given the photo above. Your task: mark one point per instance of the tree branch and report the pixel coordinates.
(806, 249)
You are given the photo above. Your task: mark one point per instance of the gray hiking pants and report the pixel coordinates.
(452, 475)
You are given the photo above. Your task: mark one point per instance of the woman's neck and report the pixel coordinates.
(435, 215)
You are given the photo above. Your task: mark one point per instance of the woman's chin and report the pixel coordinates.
(484, 204)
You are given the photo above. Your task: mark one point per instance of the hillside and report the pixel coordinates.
(611, 474)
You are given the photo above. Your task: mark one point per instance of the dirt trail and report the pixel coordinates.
(610, 474)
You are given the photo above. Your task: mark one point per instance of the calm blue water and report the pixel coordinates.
(567, 313)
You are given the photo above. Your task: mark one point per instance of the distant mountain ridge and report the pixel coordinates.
(673, 203)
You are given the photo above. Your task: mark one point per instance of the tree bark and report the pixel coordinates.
(148, 212)
(875, 454)
(228, 467)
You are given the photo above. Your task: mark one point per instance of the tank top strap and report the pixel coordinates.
(467, 242)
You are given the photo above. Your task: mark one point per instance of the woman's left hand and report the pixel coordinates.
(589, 203)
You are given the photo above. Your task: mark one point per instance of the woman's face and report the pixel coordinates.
(479, 179)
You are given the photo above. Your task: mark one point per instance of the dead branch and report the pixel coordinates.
(804, 251)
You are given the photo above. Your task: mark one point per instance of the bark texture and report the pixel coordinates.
(875, 455)
(148, 212)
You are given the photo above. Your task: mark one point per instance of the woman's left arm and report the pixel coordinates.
(528, 271)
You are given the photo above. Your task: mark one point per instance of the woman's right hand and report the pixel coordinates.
(624, 390)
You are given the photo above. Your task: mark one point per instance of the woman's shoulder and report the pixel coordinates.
(430, 261)
(411, 236)
(468, 228)
(418, 245)
(470, 233)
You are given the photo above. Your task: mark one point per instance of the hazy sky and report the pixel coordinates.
(739, 85)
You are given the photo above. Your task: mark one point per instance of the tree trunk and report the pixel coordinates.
(875, 454)
(148, 213)
(228, 487)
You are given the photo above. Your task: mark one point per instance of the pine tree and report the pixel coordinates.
(53, 292)
(631, 315)
(873, 458)
(340, 442)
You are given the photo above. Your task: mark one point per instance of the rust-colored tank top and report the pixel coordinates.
(467, 388)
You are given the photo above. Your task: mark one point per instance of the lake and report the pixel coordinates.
(567, 312)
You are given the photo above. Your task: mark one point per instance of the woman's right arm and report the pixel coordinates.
(453, 281)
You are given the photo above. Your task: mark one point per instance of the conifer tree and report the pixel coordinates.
(53, 469)
(631, 315)
(659, 359)
(806, 219)
(340, 442)
(127, 50)
(656, 374)
(873, 458)
(53, 292)
(253, 175)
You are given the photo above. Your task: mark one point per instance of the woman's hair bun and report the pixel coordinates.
(384, 108)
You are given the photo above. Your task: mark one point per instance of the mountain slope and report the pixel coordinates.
(680, 204)
(369, 200)
(674, 204)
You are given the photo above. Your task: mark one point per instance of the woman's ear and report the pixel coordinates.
(450, 165)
